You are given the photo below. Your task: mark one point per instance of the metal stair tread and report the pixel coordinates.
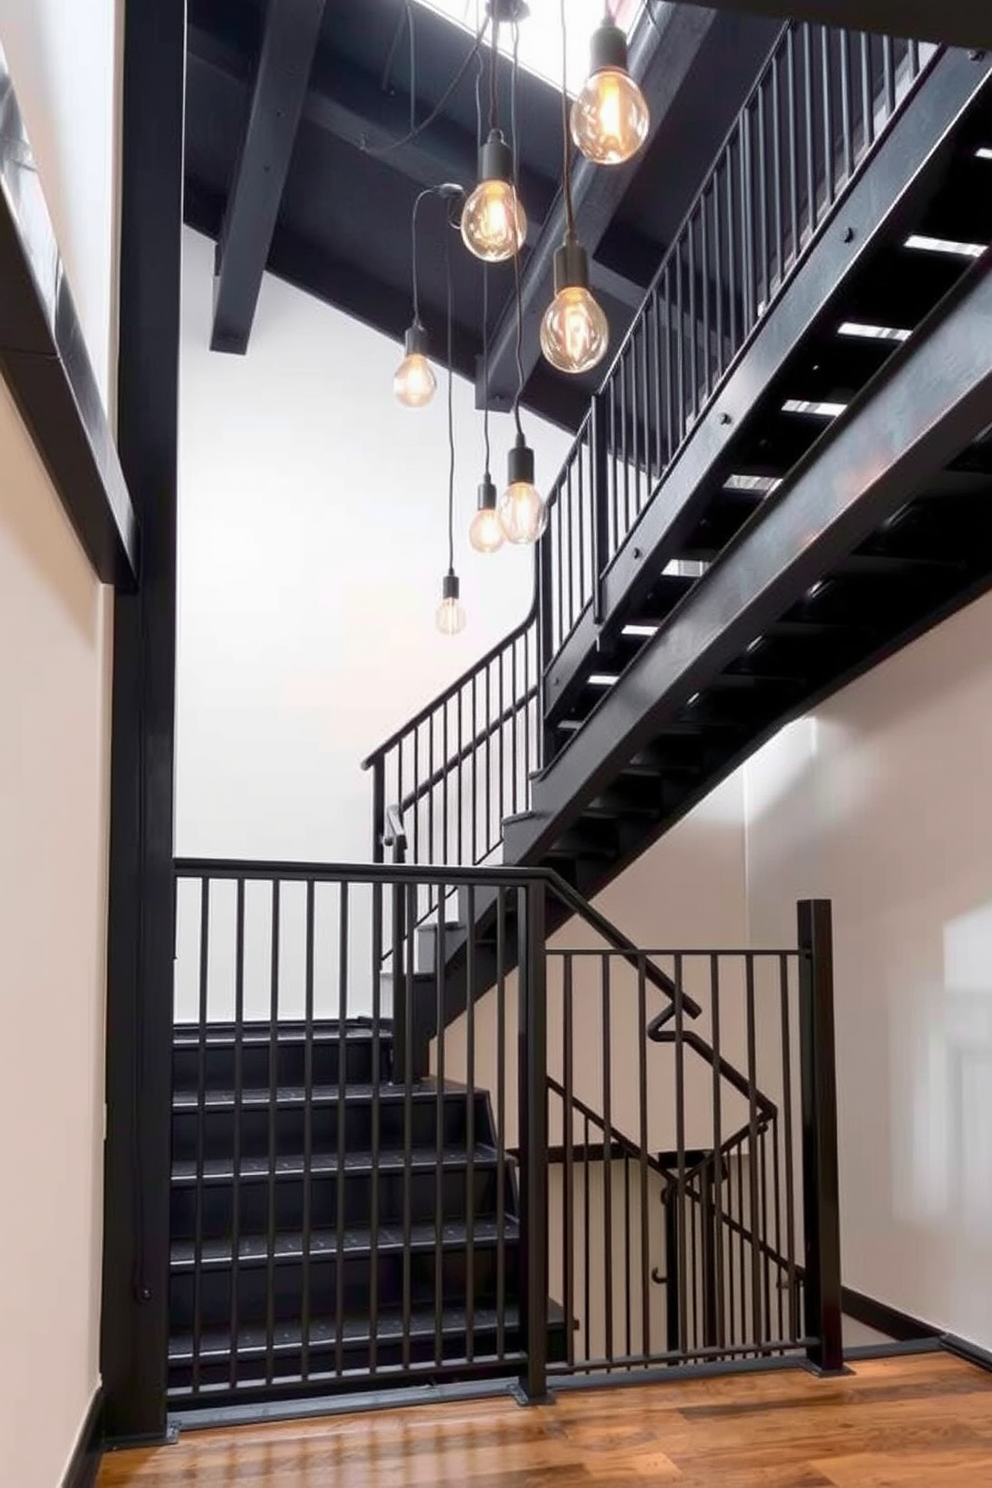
(324, 1164)
(254, 1249)
(260, 1097)
(259, 1035)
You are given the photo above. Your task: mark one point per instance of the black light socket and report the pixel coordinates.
(608, 49)
(415, 341)
(450, 587)
(520, 464)
(496, 159)
(487, 493)
(571, 266)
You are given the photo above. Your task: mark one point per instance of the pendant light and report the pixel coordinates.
(575, 333)
(414, 384)
(610, 117)
(494, 224)
(449, 617)
(523, 511)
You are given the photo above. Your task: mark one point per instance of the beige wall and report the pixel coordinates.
(55, 635)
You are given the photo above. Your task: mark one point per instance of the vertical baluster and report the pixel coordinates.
(642, 1101)
(717, 1147)
(733, 261)
(416, 797)
(810, 134)
(440, 964)
(627, 1245)
(635, 436)
(270, 1228)
(680, 1145)
(459, 782)
(501, 1123)
(570, 492)
(778, 184)
(431, 854)
(847, 127)
(748, 239)
(680, 403)
(693, 408)
(501, 740)
(487, 835)
(763, 291)
(445, 786)
(586, 1238)
(763, 1234)
(568, 1223)
(515, 760)
(742, 1273)
(470, 1083)
(239, 1099)
(693, 1342)
(726, 1160)
(613, 541)
(704, 252)
(625, 444)
(867, 90)
(475, 768)
(829, 173)
(644, 411)
(584, 585)
(341, 1185)
(376, 1118)
(559, 575)
(888, 76)
(607, 1149)
(789, 1155)
(793, 142)
(777, 1210)
(308, 1078)
(660, 439)
(752, 1147)
(410, 1072)
(201, 1124)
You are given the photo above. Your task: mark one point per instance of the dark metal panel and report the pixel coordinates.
(931, 402)
(965, 23)
(46, 364)
(873, 209)
(134, 1321)
(288, 45)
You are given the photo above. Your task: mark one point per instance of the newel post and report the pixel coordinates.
(821, 1205)
(533, 1139)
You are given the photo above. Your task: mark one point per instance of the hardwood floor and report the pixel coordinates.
(914, 1422)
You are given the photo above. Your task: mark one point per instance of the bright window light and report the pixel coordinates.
(984, 152)
(540, 33)
(602, 679)
(643, 631)
(762, 485)
(863, 332)
(818, 410)
(923, 244)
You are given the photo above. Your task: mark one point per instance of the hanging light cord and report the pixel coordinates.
(485, 367)
(427, 191)
(519, 339)
(411, 31)
(451, 404)
(439, 107)
(493, 79)
(566, 134)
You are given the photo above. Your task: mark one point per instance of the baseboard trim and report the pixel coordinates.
(970, 1352)
(900, 1326)
(84, 1463)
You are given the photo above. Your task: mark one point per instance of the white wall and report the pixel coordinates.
(882, 801)
(55, 627)
(312, 545)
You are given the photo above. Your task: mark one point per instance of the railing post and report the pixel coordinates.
(402, 1012)
(673, 1276)
(532, 1387)
(821, 1209)
(600, 506)
(707, 1258)
(545, 645)
(378, 810)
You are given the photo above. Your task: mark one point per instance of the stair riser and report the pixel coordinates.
(220, 1063)
(356, 1191)
(218, 1127)
(216, 1287)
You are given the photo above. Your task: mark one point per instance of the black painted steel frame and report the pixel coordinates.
(134, 1324)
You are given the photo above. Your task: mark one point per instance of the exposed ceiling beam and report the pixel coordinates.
(356, 111)
(289, 42)
(965, 23)
(662, 54)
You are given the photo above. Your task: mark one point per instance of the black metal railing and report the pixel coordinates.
(342, 1217)
(819, 108)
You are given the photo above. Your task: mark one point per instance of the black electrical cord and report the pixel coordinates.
(519, 338)
(449, 290)
(493, 78)
(566, 133)
(438, 108)
(413, 65)
(485, 369)
(428, 190)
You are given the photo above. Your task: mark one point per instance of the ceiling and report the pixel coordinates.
(299, 161)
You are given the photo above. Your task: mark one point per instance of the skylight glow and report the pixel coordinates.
(923, 244)
(540, 33)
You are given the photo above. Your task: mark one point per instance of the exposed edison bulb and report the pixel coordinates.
(523, 511)
(610, 117)
(494, 224)
(485, 534)
(449, 617)
(574, 332)
(415, 384)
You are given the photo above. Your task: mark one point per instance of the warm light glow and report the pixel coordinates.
(485, 533)
(610, 117)
(494, 225)
(523, 513)
(574, 332)
(450, 617)
(414, 384)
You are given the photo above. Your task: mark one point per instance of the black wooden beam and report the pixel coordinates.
(933, 402)
(46, 365)
(966, 23)
(289, 42)
(663, 54)
(135, 1310)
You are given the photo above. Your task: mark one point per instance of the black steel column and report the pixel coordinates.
(134, 1326)
(533, 1140)
(821, 1207)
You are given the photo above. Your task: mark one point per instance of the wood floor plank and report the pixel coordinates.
(922, 1421)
